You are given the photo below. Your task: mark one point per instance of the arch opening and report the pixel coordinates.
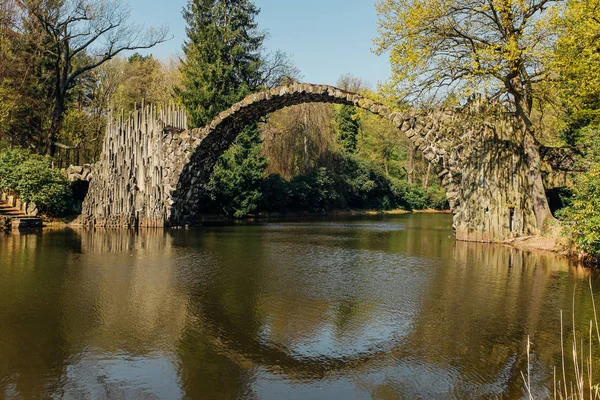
(207, 144)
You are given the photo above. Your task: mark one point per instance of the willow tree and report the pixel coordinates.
(469, 46)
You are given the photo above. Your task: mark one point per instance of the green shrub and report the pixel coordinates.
(351, 182)
(32, 178)
(416, 197)
(437, 198)
(275, 194)
(10, 159)
(411, 197)
(316, 191)
(364, 185)
(584, 211)
(234, 186)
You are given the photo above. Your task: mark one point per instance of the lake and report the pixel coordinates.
(378, 307)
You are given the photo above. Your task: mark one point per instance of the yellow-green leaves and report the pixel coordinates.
(577, 59)
(464, 45)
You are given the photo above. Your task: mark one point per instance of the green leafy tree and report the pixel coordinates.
(468, 46)
(576, 61)
(79, 36)
(347, 117)
(316, 191)
(25, 81)
(235, 185)
(144, 78)
(347, 122)
(584, 211)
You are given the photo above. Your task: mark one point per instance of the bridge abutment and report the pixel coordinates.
(152, 168)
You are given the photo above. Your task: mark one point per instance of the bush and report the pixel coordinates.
(584, 211)
(416, 197)
(234, 186)
(275, 194)
(352, 183)
(32, 178)
(437, 198)
(316, 191)
(365, 186)
(9, 161)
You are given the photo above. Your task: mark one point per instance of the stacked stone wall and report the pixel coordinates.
(127, 184)
(153, 169)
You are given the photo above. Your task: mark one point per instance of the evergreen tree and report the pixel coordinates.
(222, 65)
(347, 128)
(222, 60)
(235, 185)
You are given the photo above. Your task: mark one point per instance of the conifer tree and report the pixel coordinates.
(222, 65)
(222, 60)
(347, 128)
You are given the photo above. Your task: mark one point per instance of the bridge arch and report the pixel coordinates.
(152, 167)
(202, 147)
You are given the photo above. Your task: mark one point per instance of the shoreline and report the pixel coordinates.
(555, 243)
(210, 218)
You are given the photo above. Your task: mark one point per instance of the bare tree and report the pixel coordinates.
(352, 83)
(81, 36)
(277, 69)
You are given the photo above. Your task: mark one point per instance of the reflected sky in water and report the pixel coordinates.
(369, 308)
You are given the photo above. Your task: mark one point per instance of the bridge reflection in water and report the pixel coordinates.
(367, 308)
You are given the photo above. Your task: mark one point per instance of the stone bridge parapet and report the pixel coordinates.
(152, 169)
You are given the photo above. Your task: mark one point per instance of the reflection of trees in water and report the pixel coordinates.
(32, 346)
(261, 266)
(231, 303)
(127, 280)
(75, 294)
(476, 316)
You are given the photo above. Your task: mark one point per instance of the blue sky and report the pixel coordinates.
(325, 38)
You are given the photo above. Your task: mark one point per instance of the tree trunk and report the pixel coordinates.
(541, 208)
(426, 183)
(536, 183)
(57, 119)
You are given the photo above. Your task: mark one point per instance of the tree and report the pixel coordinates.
(81, 35)
(576, 61)
(298, 139)
(347, 118)
(25, 83)
(222, 60)
(234, 187)
(584, 211)
(144, 78)
(466, 46)
(347, 121)
(222, 65)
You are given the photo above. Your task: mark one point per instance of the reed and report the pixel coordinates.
(583, 386)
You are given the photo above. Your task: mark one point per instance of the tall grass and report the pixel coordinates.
(583, 387)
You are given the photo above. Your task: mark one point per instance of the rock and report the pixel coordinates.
(170, 168)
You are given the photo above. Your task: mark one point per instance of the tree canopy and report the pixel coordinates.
(467, 46)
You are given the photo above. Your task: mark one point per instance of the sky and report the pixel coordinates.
(324, 38)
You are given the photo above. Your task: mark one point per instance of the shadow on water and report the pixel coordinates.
(370, 307)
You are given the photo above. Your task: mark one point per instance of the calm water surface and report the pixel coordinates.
(379, 307)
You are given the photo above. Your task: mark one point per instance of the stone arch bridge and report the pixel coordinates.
(152, 168)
